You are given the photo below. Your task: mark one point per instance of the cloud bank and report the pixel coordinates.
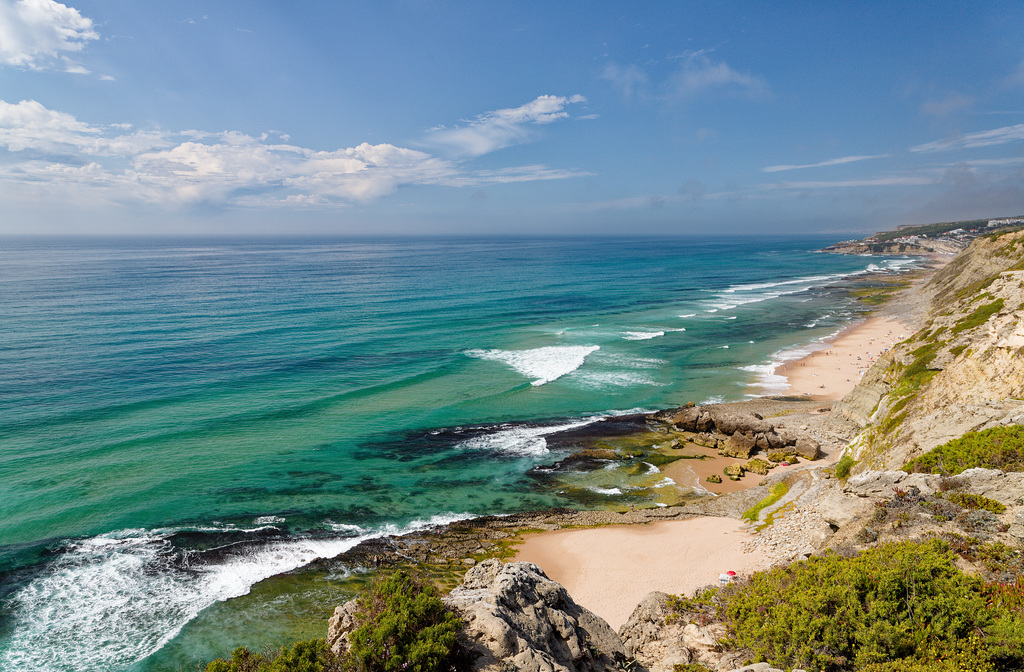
(53, 152)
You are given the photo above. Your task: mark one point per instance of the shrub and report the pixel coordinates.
(405, 626)
(996, 448)
(843, 466)
(897, 601)
(970, 501)
(307, 656)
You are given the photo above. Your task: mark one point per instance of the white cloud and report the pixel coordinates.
(996, 136)
(699, 74)
(33, 33)
(197, 168)
(830, 162)
(28, 125)
(496, 130)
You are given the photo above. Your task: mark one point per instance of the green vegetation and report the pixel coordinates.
(979, 316)
(996, 448)
(903, 602)
(976, 502)
(844, 465)
(308, 656)
(403, 625)
(775, 495)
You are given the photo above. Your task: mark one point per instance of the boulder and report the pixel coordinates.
(516, 617)
(686, 418)
(740, 446)
(730, 422)
(807, 447)
(774, 441)
(714, 478)
(778, 456)
(709, 440)
(758, 466)
(733, 471)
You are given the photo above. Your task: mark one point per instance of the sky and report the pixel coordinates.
(420, 117)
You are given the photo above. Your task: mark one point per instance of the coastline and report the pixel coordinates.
(609, 570)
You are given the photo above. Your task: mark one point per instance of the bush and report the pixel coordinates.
(895, 602)
(996, 448)
(403, 626)
(307, 656)
(970, 501)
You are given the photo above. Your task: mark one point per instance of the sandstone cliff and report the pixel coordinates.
(963, 371)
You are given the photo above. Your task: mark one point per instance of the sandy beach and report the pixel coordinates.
(609, 569)
(830, 373)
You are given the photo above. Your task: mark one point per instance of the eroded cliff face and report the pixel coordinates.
(963, 372)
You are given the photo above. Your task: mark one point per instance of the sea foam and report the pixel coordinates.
(542, 364)
(130, 592)
(521, 440)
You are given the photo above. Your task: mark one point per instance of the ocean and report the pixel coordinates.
(188, 425)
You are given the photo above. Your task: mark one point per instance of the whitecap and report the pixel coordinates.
(689, 315)
(542, 364)
(605, 491)
(268, 520)
(641, 335)
(523, 440)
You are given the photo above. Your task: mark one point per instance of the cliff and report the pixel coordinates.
(963, 371)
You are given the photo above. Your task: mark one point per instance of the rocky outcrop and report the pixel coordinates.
(515, 617)
(740, 435)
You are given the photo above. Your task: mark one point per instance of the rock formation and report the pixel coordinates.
(517, 618)
(740, 435)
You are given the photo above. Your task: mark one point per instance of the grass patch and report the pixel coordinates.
(775, 495)
(997, 448)
(979, 316)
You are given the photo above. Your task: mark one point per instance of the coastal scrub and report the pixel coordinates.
(904, 602)
(996, 448)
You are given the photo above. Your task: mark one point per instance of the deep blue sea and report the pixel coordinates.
(183, 423)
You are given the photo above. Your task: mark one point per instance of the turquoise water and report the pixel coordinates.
(181, 419)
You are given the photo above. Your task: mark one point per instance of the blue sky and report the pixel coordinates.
(419, 117)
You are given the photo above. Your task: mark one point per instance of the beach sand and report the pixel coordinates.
(830, 373)
(610, 569)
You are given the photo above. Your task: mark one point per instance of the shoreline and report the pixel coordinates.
(609, 570)
(831, 372)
